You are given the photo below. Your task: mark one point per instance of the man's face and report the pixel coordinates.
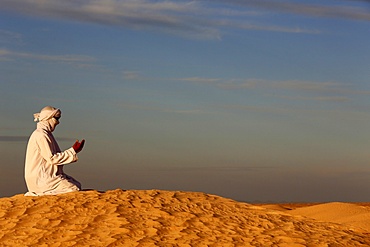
(54, 121)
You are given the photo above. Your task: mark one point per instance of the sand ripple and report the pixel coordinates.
(162, 218)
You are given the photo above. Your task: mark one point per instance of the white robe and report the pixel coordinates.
(44, 164)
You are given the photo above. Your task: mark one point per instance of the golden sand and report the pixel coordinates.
(175, 218)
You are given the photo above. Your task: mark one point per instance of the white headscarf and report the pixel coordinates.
(47, 113)
(46, 117)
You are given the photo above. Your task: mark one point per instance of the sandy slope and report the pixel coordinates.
(166, 218)
(343, 213)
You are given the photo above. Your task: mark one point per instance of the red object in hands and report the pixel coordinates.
(78, 145)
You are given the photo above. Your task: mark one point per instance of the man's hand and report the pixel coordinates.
(78, 145)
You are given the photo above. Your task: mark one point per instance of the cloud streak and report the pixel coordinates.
(192, 19)
(228, 84)
(238, 83)
(314, 10)
(167, 16)
(318, 91)
(319, 98)
(9, 37)
(25, 139)
(13, 138)
(82, 60)
(157, 108)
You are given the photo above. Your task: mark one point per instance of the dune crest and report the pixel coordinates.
(159, 218)
(338, 212)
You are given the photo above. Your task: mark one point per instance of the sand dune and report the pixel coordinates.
(174, 218)
(344, 213)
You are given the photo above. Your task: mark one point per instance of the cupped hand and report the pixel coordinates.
(78, 146)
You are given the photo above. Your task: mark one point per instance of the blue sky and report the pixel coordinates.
(252, 100)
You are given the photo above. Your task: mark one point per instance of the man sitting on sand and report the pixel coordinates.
(44, 160)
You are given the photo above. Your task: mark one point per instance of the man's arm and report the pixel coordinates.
(60, 158)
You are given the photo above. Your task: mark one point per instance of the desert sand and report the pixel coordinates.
(176, 218)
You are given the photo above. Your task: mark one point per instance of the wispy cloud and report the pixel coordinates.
(131, 75)
(269, 28)
(313, 91)
(25, 139)
(239, 83)
(10, 37)
(4, 52)
(321, 87)
(13, 138)
(305, 85)
(223, 83)
(168, 16)
(216, 169)
(201, 80)
(158, 108)
(194, 19)
(319, 98)
(316, 10)
(73, 59)
(261, 109)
